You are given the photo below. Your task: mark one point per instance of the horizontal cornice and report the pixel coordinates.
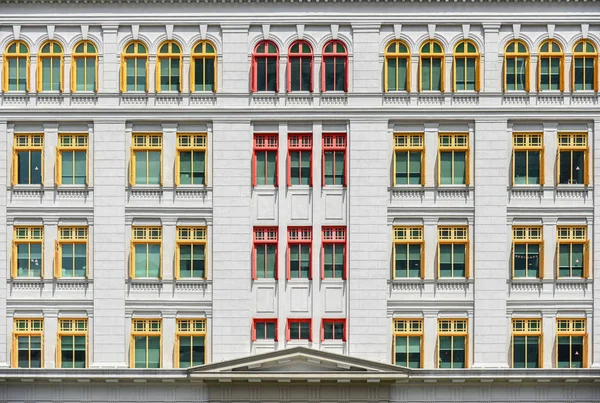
(284, 1)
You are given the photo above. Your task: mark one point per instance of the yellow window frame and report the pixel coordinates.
(27, 327)
(516, 54)
(572, 327)
(432, 55)
(577, 141)
(407, 236)
(525, 142)
(191, 142)
(528, 235)
(466, 55)
(196, 57)
(145, 328)
(145, 142)
(453, 327)
(458, 142)
(528, 327)
(573, 235)
(70, 235)
(551, 54)
(135, 55)
(26, 142)
(169, 54)
(454, 235)
(146, 236)
(409, 143)
(27, 235)
(16, 55)
(46, 55)
(393, 52)
(408, 328)
(585, 54)
(196, 236)
(85, 55)
(71, 142)
(71, 327)
(189, 328)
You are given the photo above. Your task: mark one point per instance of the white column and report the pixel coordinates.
(50, 142)
(4, 247)
(367, 70)
(594, 328)
(235, 65)
(168, 154)
(549, 339)
(490, 250)
(50, 331)
(430, 339)
(491, 68)
(168, 339)
(109, 60)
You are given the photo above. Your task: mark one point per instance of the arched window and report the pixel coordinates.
(585, 66)
(16, 67)
(431, 63)
(84, 68)
(397, 67)
(169, 67)
(134, 67)
(203, 71)
(466, 66)
(516, 66)
(300, 67)
(50, 68)
(550, 68)
(265, 67)
(335, 67)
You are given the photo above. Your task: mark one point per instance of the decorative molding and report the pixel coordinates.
(466, 28)
(265, 31)
(84, 32)
(516, 31)
(551, 31)
(169, 31)
(16, 31)
(203, 30)
(300, 31)
(135, 31)
(334, 31)
(50, 30)
(431, 30)
(584, 30)
(397, 30)
(258, 1)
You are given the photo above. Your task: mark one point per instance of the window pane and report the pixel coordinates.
(534, 167)
(271, 329)
(36, 167)
(401, 350)
(294, 330)
(295, 73)
(306, 73)
(80, 167)
(328, 330)
(185, 261)
(414, 352)
(392, 76)
(520, 167)
(460, 74)
(141, 263)
(185, 167)
(23, 352)
(153, 352)
(328, 261)
(436, 74)
(198, 350)
(533, 351)
(460, 173)
(199, 168)
(199, 78)
(445, 349)
(198, 262)
(154, 167)
(459, 261)
(294, 261)
(446, 168)
(533, 260)
(209, 78)
(305, 168)
(141, 177)
(578, 166)
(340, 68)
(141, 75)
(329, 74)
(577, 260)
(271, 260)
(67, 168)
(305, 261)
(272, 74)
(414, 263)
(577, 352)
(564, 352)
(67, 253)
(304, 330)
(339, 261)
(426, 74)
(401, 260)
(295, 167)
(261, 166)
(271, 167)
(23, 260)
(402, 167)
(66, 353)
(261, 74)
(339, 167)
(90, 78)
(328, 169)
(565, 167)
(458, 360)
(519, 347)
(260, 261)
(445, 260)
(140, 351)
(185, 351)
(415, 168)
(35, 251)
(153, 260)
(471, 74)
(564, 259)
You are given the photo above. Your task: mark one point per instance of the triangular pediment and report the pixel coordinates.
(298, 363)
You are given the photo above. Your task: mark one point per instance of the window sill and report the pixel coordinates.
(337, 280)
(22, 186)
(302, 280)
(265, 280)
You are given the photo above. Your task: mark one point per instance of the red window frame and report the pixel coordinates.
(256, 55)
(302, 320)
(262, 321)
(263, 236)
(299, 143)
(334, 142)
(300, 55)
(265, 142)
(335, 55)
(334, 235)
(341, 321)
(299, 236)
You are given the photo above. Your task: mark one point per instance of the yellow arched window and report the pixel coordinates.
(15, 74)
(466, 66)
(50, 67)
(397, 67)
(516, 66)
(431, 67)
(134, 67)
(203, 71)
(585, 67)
(84, 67)
(550, 66)
(169, 67)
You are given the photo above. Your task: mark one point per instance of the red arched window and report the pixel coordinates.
(265, 67)
(300, 67)
(335, 67)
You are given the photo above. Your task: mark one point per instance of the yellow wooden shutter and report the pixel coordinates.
(181, 74)
(557, 170)
(160, 174)
(27, 69)
(61, 77)
(96, 72)
(385, 74)
(5, 76)
(57, 260)
(467, 261)
(206, 165)
(177, 364)
(527, 67)
(443, 64)
(123, 73)
(584, 363)
(14, 260)
(73, 72)
(131, 260)
(422, 246)
(586, 164)
(586, 260)
(15, 168)
(157, 74)
(419, 78)
(467, 349)
(438, 262)
(177, 167)
(542, 167)
(177, 268)
(160, 262)
(541, 350)
(468, 167)
(562, 73)
(39, 74)
(423, 154)
(58, 167)
(131, 167)
(541, 271)
(557, 260)
(408, 74)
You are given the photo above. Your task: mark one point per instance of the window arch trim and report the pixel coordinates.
(170, 54)
(51, 54)
(466, 54)
(85, 54)
(300, 55)
(17, 54)
(516, 54)
(204, 55)
(267, 55)
(396, 54)
(432, 54)
(135, 55)
(334, 54)
(551, 54)
(586, 54)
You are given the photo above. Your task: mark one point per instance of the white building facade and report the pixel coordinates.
(299, 202)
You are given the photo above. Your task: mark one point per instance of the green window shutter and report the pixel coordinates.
(154, 167)
(141, 165)
(445, 168)
(445, 260)
(67, 350)
(459, 261)
(199, 261)
(460, 172)
(67, 254)
(199, 167)
(415, 167)
(402, 168)
(392, 74)
(35, 252)
(294, 261)
(271, 261)
(141, 262)
(414, 257)
(533, 351)
(154, 260)
(140, 352)
(436, 75)
(426, 74)
(401, 350)
(460, 74)
(445, 351)
(414, 352)
(271, 167)
(67, 167)
(153, 352)
(564, 260)
(80, 165)
(185, 261)
(471, 74)
(261, 167)
(185, 351)
(295, 167)
(185, 167)
(401, 260)
(79, 351)
(458, 349)
(328, 261)
(519, 352)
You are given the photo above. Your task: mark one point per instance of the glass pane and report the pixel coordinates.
(339, 167)
(295, 167)
(577, 260)
(141, 75)
(272, 74)
(340, 73)
(521, 73)
(141, 263)
(329, 74)
(415, 168)
(304, 331)
(328, 331)
(577, 351)
(164, 74)
(414, 352)
(445, 260)
(446, 168)
(35, 352)
(80, 165)
(185, 261)
(23, 260)
(520, 260)
(305, 168)
(402, 167)
(459, 261)
(401, 350)
(328, 261)
(589, 75)
(306, 73)
(328, 169)
(471, 75)
(533, 351)
(209, 78)
(392, 72)
(198, 263)
(198, 350)
(578, 166)
(66, 353)
(140, 351)
(35, 251)
(555, 74)
(271, 260)
(35, 167)
(199, 168)
(460, 173)
(67, 261)
(445, 351)
(199, 77)
(154, 167)
(565, 167)
(185, 351)
(153, 352)
(153, 260)
(414, 260)
(339, 261)
(295, 261)
(261, 74)
(141, 164)
(271, 167)
(68, 167)
(261, 166)
(564, 352)
(270, 326)
(458, 359)
(80, 351)
(519, 352)
(564, 260)
(436, 74)
(533, 167)
(520, 167)
(23, 351)
(460, 74)
(401, 260)
(295, 74)
(185, 167)
(426, 74)
(533, 260)
(305, 261)
(260, 261)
